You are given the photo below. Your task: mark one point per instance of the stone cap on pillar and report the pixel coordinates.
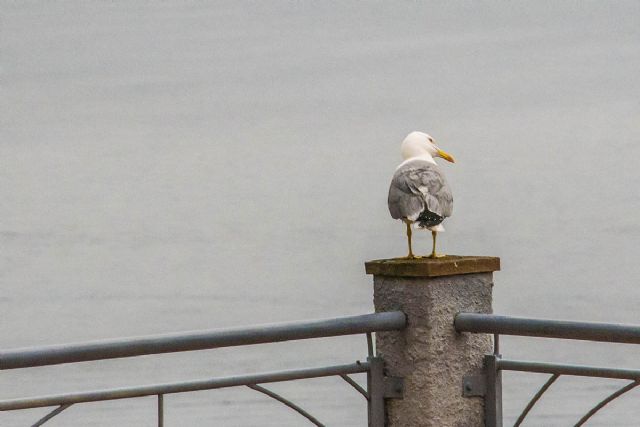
(429, 267)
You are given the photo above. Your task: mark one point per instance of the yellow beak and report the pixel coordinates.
(446, 156)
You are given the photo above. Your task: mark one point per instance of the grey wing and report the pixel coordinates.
(418, 188)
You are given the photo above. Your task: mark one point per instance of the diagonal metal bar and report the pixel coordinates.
(355, 385)
(287, 403)
(602, 404)
(535, 399)
(51, 415)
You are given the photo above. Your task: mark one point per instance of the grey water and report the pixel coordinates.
(169, 166)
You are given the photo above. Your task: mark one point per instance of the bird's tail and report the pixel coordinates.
(438, 228)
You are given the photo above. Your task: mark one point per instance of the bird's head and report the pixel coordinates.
(418, 144)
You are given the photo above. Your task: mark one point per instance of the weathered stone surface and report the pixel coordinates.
(429, 353)
(427, 267)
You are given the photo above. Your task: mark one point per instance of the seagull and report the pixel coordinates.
(419, 193)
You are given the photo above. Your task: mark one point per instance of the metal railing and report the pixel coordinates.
(375, 391)
(490, 382)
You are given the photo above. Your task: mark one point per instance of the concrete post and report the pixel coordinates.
(429, 354)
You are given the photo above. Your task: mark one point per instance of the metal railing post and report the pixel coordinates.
(160, 410)
(375, 386)
(493, 396)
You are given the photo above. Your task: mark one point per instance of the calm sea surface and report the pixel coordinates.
(167, 166)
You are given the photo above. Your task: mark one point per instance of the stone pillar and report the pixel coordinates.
(429, 354)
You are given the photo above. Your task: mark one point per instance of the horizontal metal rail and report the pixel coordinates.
(564, 369)
(506, 325)
(181, 387)
(200, 340)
